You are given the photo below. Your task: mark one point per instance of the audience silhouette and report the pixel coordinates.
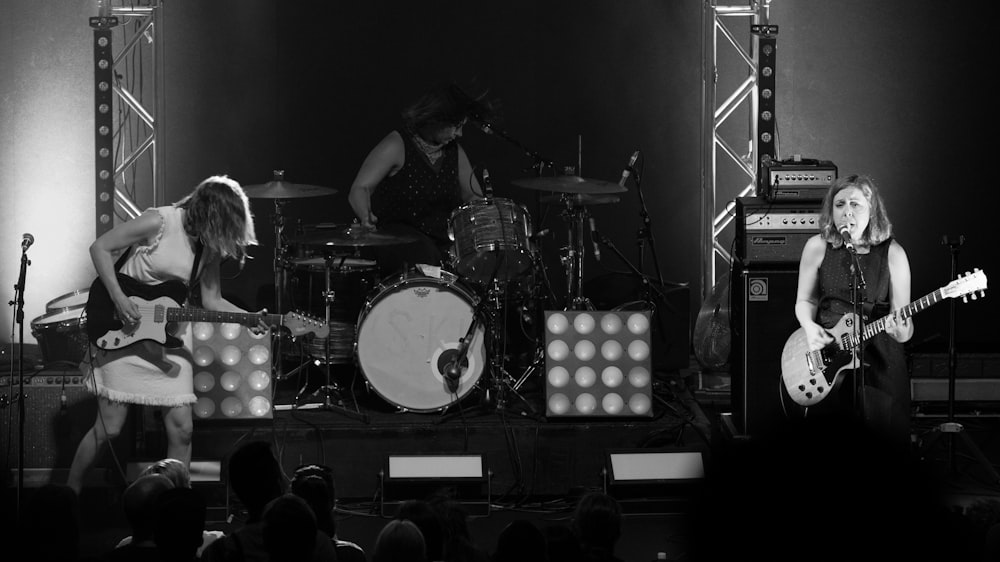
(597, 523)
(255, 477)
(314, 483)
(400, 540)
(289, 529)
(139, 505)
(179, 522)
(520, 541)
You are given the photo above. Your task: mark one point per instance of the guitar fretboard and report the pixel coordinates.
(875, 328)
(202, 315)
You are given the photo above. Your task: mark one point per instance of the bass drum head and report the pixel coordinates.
(407, 335)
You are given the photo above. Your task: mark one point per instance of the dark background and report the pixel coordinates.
(896, 89)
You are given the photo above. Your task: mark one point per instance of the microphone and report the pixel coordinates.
(26, 241)
(593, 233)
(453, 370)
(845, 233)
(628, 169)
(540, 234)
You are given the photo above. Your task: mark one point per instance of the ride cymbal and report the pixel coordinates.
(570, 184)
(280, 189)
(581, 199)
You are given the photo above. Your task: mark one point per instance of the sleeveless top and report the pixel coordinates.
(146, 372)
(420, 195)
(887, 393)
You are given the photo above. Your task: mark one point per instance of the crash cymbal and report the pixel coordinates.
(280, 189)
(352, 237)
(570, 184)
(580, 199)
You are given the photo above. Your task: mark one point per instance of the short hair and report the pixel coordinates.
(218, 213)
(597, 520)
(255, 475)
(399, 541)
(289, 529)
(139, 500)
(173, 469)
(879, 227)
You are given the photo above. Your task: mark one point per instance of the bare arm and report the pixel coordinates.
(807, 293)
(899, 293)
(211, 293)
(103, 250)
(386, 158)
(467, 181)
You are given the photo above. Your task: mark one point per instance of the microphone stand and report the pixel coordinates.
(18, 304)
(645, 233)
(858, 285)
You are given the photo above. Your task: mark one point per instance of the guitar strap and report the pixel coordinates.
(194, 270)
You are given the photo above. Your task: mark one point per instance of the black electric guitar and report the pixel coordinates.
(160, 308)
(809, 376)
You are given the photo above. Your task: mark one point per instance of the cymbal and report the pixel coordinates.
(579, 199)
(570, 184)
(352, 237)
(280, 189)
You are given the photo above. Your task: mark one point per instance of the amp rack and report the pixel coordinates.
(773, 232)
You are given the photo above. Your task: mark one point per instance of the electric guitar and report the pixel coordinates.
(809, 376)
(160, 307)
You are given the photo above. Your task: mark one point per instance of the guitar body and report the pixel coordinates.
(106, 331)
(809, 377)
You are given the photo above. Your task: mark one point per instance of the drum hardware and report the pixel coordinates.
(330, 390)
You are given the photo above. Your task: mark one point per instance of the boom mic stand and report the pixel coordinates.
(951, 428)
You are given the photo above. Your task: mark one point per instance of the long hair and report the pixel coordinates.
(879, 227)
(443, 106)
(218, 213)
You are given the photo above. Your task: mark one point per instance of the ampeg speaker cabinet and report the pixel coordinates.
(773, 233)
(763, 316)
(56, 417)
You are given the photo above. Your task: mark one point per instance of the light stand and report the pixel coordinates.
(951, 428)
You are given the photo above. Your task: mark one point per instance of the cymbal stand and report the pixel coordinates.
(330, 388)
(644, 235)
(576, 216)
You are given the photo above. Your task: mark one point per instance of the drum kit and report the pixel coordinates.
(422, 339)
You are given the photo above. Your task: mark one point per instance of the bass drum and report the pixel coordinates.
(409, 332)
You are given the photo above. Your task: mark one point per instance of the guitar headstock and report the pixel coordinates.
(967, 286)
(300, 324)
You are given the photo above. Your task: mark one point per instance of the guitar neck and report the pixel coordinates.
(202, 315)
(875, 328)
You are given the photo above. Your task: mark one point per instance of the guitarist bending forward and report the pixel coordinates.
(824, 296)
(162, 245)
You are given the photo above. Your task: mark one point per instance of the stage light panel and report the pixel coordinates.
(464, 478)
(598, 363)
(232, 372)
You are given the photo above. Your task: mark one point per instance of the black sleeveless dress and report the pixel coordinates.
(885, 402)
(417, 201)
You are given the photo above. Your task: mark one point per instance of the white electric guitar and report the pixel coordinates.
(810, 375)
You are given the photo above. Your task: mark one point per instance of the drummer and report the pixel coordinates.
(414, 178)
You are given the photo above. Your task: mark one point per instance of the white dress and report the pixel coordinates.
(147, 372)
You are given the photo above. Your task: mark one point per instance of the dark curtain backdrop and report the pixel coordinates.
(895, 89)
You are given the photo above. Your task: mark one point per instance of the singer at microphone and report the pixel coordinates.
(628, 169)
(845, 234)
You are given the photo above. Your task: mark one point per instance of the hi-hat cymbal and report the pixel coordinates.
(352, 237)
(280, 189)
(570, 184)
(580, 199)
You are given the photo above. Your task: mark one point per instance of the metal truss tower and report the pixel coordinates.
(721, 141)
(128, 109)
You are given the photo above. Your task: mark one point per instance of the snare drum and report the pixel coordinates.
(62, 334)
(351, 279)
(408, 334)
(492, 239)
(75, 298)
